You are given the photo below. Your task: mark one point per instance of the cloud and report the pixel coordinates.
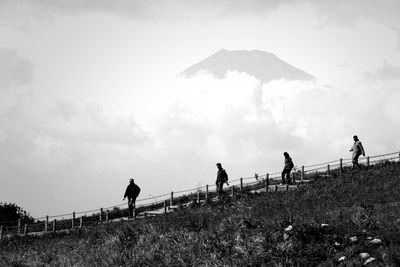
(247, 124)
(14, 69)
(341, 12)
(59, 155)
(175, 10)
(67, 149)
(75, 149)
(329, 116)
(88, 122)
(225, 120)
(346, 13)
(398, 38)
(387, 72)
(34, 125)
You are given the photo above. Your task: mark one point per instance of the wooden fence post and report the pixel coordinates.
(302, 173)
(81, 222)
(25, 229)
(101, 214)
(54, 225)
(198, 196)
(172, 199)
(341, 166)
(165, 206)
(73, 220)
(293, 177)
(368, 162)
(19, 226)
(241, 183)
(328, 169)
(267, 182)
(206, 196)
(107, 214)
(1, 232)
(46, 226)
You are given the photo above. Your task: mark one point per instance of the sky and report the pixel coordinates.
(90, 94)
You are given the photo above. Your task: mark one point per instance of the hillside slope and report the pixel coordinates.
(328, 222)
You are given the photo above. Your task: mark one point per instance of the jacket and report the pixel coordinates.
(222, 176)
(132, 191)
(357, 149)
(288, 163)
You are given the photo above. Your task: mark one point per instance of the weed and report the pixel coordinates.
(329, 219)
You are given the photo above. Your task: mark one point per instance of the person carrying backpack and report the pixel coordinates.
(132, 192)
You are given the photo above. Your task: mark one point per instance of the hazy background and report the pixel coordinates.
(90, 93)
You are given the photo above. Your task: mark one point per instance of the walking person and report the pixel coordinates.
(357, 150)
(222, 177)
(132, 191)
(287, 169)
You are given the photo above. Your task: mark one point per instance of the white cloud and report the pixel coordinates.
(313, 121)
(73, 148)
(346, 13)
(387, 72)
(341, 12)
(65, 146)
(142, 10)
(67, 149)
(14, 70)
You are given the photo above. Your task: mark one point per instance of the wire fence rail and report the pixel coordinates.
(160, 205)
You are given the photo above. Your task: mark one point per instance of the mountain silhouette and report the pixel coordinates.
(262, 65)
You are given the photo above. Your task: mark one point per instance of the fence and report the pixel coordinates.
(165, 203)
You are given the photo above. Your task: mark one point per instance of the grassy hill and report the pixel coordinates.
(328, 222)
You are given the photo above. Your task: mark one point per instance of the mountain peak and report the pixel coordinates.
(262, 65)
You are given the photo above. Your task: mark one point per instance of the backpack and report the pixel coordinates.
(291, 164)
(136, 191)
(226, 176)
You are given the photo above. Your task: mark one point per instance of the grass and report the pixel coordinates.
(331, 218)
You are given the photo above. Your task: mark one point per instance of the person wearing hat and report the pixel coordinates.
(222, 177)
(357, 150)
(132, 191)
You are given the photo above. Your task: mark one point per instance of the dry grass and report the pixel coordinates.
(331, 218)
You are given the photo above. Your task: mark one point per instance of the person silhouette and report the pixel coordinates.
(132, 192)
(222, 177)
(287, 169)
(357, 150)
